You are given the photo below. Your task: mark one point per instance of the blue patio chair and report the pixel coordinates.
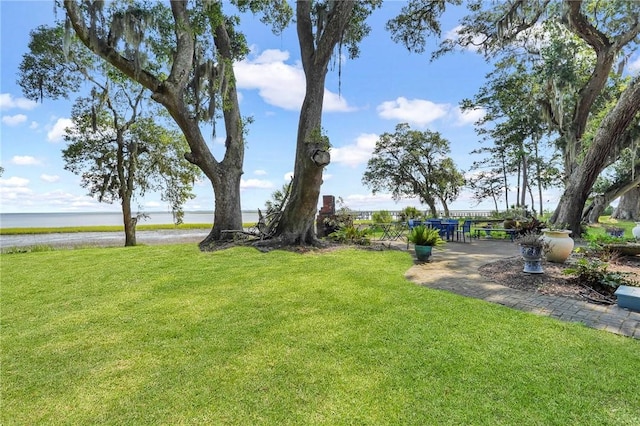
(439, 225)
(412, 223)
(464, 231)
(450, 228)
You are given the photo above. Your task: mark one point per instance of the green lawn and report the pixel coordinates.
(170, 335)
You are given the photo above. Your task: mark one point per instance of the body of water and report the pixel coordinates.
(54, 220)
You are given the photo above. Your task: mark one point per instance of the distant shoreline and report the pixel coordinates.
(101, 239)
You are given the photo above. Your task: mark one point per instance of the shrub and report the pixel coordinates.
(425, 236)
(594, 273)
(410, 213)
(351, 235)
(382, 216)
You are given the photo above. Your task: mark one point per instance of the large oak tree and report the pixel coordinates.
(114, 144)
(183, 54)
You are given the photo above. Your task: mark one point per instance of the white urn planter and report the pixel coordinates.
(636, 231)
(559, 245)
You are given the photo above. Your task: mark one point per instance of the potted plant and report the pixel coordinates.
(615, 231)
(424, 239)
(531, 248)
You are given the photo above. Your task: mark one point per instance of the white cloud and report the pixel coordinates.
(153, 204)
(413, 111)
(34, 125)
(219, 140)
(7, 101)
(13, 188)
(356, 154)
(464, 118)
(59, 129)
(634, 66)
(255, 184)
(14, 120)
(14, 182)
(288, 177)
(260, 173)
(50, 178)
(281, 84)
(25, 160)
(474, 46)
(67, 201)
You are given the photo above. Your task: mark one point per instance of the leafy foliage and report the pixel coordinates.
(381, 216)
(594, 272)
(422, 235)
(410, 213)
(414, 164)
(531, 239)
(351, 235)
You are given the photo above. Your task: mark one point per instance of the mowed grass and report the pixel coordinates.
(170, 335)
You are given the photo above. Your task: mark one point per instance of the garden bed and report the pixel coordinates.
(553, 281)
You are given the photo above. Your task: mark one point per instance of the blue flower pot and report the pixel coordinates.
(423, 252)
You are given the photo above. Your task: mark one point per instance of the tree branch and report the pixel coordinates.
(99, 46)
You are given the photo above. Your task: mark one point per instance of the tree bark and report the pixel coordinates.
(593, 212)
(298, 218)
(629, 206)
(581, 177)
(608, 137)
(129, 223)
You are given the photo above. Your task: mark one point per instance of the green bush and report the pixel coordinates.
(410, 213)
(382, 216)
(594, 273)
(424, 236)
(351, 235)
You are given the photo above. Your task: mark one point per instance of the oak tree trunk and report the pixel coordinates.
(296, 225)
(129, 223)
(628, 206)
(608, 137)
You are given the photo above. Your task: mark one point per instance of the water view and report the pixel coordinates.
(53, 220)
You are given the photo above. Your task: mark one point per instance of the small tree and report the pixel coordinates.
(486, 184)
(119, 160)
(410, 163)
(115, 146)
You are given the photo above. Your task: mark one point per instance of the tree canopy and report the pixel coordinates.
(183, 53)
(571, 46)
(115, 144)
(411, 163)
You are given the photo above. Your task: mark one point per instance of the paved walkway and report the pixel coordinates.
(455, 269)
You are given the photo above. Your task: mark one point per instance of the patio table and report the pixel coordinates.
(391, 231)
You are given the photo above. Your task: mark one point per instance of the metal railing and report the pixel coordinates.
(395, 214)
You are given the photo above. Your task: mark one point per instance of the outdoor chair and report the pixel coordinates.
(464, 231)
(412, 223)
(437, 224)
(450, 228)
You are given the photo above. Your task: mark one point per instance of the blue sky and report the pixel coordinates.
(386, 85)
